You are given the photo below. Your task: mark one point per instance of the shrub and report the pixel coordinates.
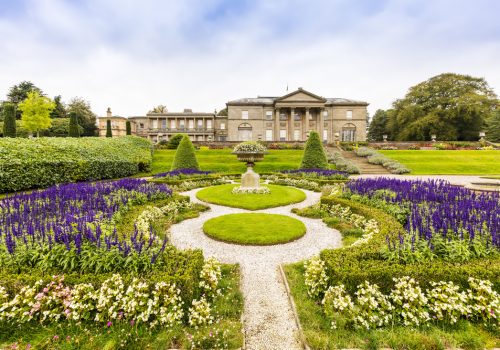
(174, 141)
(73, 131)
(36, 163)
(185, 158)
(109, 133)
(9, 124)
(128, 127)
(314, 154)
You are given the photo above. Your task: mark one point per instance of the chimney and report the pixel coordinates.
(108, 113)
(188, 110)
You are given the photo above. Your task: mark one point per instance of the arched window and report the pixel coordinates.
(349, 132)
(244, 132)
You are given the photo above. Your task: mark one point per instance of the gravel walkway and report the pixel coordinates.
(267, 318)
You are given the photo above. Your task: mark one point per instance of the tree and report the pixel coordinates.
(185, 158)
(159, 109)
(128, 127)
(314, 154)
(378, 126)
(493, 129)
(18, 93)
(174, 141)
(86, 118)
(109, 133)
(74, 130)
(452, 106)
(36, 112)
(9, 119)
(60, 110)
(223, 112)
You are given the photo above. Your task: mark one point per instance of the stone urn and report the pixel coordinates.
(250, 153)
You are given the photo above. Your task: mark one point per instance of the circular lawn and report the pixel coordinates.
(280, 195)
(254, 228)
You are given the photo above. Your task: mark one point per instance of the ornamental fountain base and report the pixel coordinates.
(250, 179)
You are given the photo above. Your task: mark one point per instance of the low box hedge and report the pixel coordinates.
(352, 266)
(42, 162)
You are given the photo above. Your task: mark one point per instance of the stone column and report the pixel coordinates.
(305, 124)
(276, 132)
(321, 124)
(290, 124)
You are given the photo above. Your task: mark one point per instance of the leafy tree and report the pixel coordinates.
(128, 127)
(378, 126)
(493, 129)
(60, 110)
(185, 157)
(223, 112)
(74, 130)
(18, 93)
(9, 119)
(36, 112)
(452, 106)
(159, 109)
(86, 118)
(109, 133)
(314, 154)
(174, 141)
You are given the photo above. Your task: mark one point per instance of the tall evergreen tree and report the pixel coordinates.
(60, 110)
(378, 126)
(9, 119)
(18, 93)
(128, 127)
(493, 130)
(74, 130)
(86, 118)
(314, 154)
(109, 133)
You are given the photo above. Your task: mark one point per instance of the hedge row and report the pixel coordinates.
(352, 266)
(42, 162)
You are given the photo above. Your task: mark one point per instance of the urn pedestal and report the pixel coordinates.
(250, 179)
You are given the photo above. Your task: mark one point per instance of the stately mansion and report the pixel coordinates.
(287, 118)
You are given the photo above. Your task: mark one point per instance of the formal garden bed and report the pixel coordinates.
(422, 270)
(254, 228)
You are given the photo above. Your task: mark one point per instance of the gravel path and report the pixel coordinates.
(267, 318)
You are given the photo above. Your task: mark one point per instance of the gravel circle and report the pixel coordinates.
(267, 318)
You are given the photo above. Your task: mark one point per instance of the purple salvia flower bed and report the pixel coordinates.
(73, 214)
(186, 172)
(439, 208)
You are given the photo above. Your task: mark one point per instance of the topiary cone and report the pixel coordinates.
(185, 158)
(314, 154)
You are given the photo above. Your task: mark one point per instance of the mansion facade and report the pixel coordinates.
(287, 118)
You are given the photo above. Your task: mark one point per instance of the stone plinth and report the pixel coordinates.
(250, 179)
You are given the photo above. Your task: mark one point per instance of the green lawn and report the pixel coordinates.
(448, 162)
(254, 228)
(221, 160)
(280, 195)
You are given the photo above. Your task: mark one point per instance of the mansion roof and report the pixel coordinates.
(270, 101)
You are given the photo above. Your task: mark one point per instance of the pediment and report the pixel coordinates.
(301, 95)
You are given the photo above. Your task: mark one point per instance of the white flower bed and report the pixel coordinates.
(407, 304)
(156, 304)
(245, 190)
(301, 183)
(151, 214)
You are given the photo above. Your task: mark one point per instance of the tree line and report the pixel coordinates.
(453, 107)
(27, 111)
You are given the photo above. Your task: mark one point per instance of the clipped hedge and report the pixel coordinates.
(42, 162)
(185, 158)
(352, 266)
(314, 154)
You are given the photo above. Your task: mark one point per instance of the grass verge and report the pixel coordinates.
(254, 228)
(222, 195)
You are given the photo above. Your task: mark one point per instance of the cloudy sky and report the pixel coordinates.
(133, 55)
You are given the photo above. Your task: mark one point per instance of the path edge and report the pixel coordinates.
(302, 337)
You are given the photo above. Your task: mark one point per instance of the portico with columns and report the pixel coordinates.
(293, 116)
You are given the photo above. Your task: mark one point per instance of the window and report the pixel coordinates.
(269, 115)
(282, 135)
(244, 114)
(269, 135)
(172, 124)
(348, 115)
(163, 123)
(141, 126)
(296, 117)
(200, 123)
(223, 126)
(325, 135)
(325, 114)
(209, 124)
(283, 116)
(155, 124)
(181, 124)
(296, 135)
(191, 124)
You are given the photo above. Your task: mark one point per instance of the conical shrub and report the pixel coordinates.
(9, 120)
(109, 133)
(185, 158)
(314, 154)
(74, 130)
